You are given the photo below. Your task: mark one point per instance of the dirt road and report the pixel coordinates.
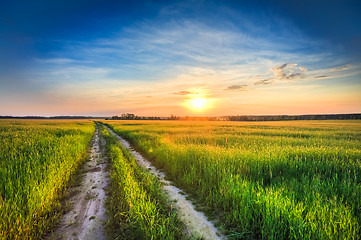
(86, 218)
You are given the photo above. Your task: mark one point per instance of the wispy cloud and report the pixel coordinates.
(342, 68)
(149, 48)
(236, 87)
(264, 81)
(183, 93)
(322, 76)
(342, 72)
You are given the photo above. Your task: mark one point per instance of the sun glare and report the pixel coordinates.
(198, 103)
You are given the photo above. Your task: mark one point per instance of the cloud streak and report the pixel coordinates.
(237, 87)
(264, 81)
(183, 93)
(342, 68)
(322, 76)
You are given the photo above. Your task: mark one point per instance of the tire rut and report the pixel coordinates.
(195, 221)
(86, 218)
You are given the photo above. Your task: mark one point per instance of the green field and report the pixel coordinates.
(137, 206)
(259, 180)
(37, 158)
(262, 180)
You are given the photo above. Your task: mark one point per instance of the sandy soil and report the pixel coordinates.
(87, 216)
(196, 222)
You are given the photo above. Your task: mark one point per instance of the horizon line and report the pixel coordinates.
(246, 115)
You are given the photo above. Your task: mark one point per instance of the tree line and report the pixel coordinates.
(295, 117)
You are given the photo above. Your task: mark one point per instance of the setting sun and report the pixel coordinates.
(198, 103)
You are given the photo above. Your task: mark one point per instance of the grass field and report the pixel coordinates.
(268, 180)
(37, 158)
(137, 206)
(261, 180)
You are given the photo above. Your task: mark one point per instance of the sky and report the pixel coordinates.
(186, 58)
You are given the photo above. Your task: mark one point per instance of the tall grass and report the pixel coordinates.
(274, 180)
(138, 207)
(37, 158)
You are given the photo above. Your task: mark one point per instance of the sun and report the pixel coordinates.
(198, 104)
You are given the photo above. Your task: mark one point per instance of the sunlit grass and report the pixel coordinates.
(37, 158)
(269, 180)
(137, 205)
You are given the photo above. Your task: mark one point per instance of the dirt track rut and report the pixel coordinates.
(87, 216)
(196, 222)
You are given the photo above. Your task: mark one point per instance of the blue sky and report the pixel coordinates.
(104, 58)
